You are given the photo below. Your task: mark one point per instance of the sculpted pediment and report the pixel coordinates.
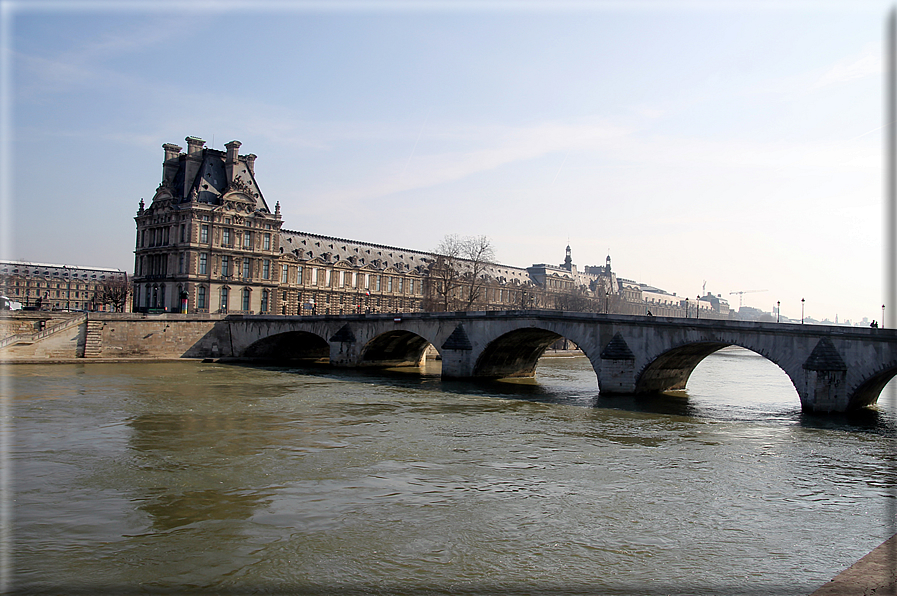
(160, 205)
(238, 185)
(239, 202)
(163, 192)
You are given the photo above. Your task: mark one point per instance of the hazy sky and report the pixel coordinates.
(734, 143)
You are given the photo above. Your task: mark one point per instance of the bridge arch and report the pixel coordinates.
(869, 390)
(671, 369)
(516, 353)
(398, 347)
(289, 346)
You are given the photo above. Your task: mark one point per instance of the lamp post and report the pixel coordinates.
(698, 307)
(802, 311)
(686, 307)
(606, 295)
(778, 310)
(882, 316)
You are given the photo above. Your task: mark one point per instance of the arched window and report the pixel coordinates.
(224, 293)
(264, 307)
(246, 295)
(201, 297)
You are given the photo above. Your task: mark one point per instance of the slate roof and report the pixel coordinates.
(306, 246)
(210, 181)
(48, 270)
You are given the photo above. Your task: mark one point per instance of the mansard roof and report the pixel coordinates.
(205, 175)
(378, 256)
(48, 270)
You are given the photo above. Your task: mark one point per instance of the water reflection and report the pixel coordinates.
(170, 510)
(569, 381)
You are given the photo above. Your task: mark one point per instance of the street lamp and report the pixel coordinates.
(778, 310)
(882, 316)
(697, 307)
(802, 311)
(606, 294)
(686, 307)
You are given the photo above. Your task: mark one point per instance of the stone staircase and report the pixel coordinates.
(93, 339)
(30, 338)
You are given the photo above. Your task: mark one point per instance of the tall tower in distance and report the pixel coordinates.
(568, 260)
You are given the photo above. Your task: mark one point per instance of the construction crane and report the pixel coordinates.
(742, 293)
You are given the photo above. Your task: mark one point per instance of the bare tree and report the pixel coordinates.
(115, 292)
(479, 254)
(575, 300)
(445, 272)
(458, 274)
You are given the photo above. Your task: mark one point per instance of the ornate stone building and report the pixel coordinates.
(209, 242)
(58, 287)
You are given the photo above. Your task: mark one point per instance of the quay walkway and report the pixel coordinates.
(873, 575)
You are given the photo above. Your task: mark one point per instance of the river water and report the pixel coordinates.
(210, 478)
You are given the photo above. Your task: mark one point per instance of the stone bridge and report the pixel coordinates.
(833, 368)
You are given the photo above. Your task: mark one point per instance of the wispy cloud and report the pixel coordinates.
(55, 69)
(866, 65)
(477, 149)
(481, 149)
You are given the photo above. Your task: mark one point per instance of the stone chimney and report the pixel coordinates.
(194, 145)
(170, 164)
(250, 162)
(194, 160)
(233, 149)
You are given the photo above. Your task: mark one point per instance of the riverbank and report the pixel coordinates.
(875, 574)
(94, 360)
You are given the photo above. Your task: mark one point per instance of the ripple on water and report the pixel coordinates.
(220, 478)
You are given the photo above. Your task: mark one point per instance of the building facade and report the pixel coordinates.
(63, 287)
(208, 242)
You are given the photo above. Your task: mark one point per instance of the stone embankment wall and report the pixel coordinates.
(127, 335)
(27, 321)
(114, 335)
(40, 335)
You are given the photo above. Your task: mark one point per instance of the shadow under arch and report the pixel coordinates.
(871, 389)
(290, 347)
(671, 370)
(395, 348)
(515, 354)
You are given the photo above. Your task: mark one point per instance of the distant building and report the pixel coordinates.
(749, 313)
(209, 242)
(716, 303)
(659, 302)
(58, 287)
